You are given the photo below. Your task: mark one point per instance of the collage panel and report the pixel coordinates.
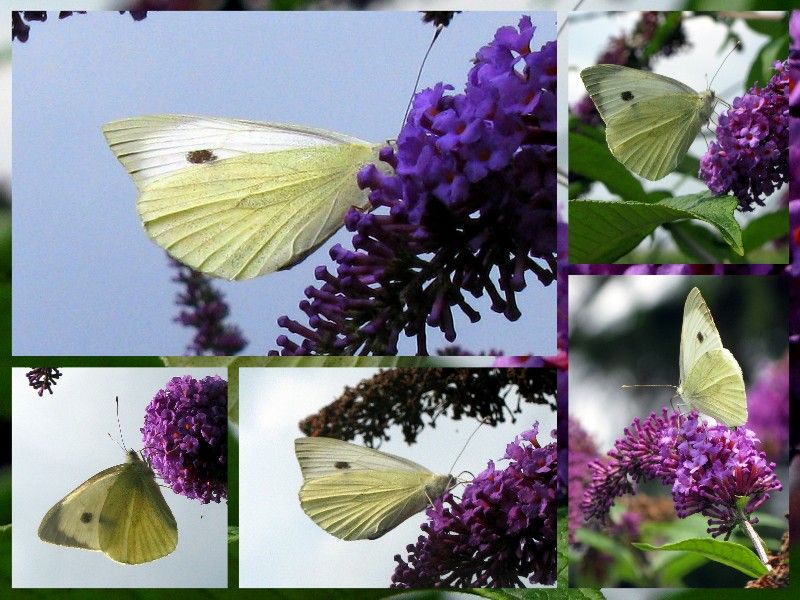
(678, 137)
(142, 482)
(380, 509)
(678, 430)
(254, 177)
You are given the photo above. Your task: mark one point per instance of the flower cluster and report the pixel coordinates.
(501, 533)
(43, 379)
(20, 29)
(471, 210)
(634, 50)
(718, 472)
(582, 450)
(749, 156)
(768, 403)
(185, 437)
(405, 397)
(207, 314)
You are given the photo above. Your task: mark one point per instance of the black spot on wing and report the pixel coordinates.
(626, 95)
(198, 157)
(700, 337)
(86, 517)
(340, 464)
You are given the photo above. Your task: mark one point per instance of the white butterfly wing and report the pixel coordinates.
(74, 520)
(715, 387)
(356, 493)
(238, 199)
(151, 147)
(651, 120)
(120, 512)
(698, 332)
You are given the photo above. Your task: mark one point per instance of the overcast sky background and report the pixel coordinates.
(87, 280)
(300, 554)
(61, 440)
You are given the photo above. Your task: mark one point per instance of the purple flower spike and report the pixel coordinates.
(185, 437)
(501, 533)
(471, 211)
(718, 472)
(749, 156)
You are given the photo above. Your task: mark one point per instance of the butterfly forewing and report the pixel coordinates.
(651, 120)
(137, 524)
(74, 520)
(699, 334)
(151, 147)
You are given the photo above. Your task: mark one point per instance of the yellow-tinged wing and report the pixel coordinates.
(714, 386)
(74, 520)
(237, 199)
(354, 492)
(136, 524)
(698, 332)
(120, 512)
(651, 120)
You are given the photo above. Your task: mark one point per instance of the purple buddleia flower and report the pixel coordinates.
(207, 311)
(185, 437)
(471, 211)
(749, 156)
(20, 30)
(501, 533)
(43, 379)
(768, 408)
(719, 472)
(582, 450)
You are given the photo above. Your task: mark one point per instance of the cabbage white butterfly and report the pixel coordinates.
(651, 120)
(710, 378)
(357, 493)
(238, 199)
(120, 512)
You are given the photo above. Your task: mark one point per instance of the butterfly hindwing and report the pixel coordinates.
(136, 524)
(714, 386)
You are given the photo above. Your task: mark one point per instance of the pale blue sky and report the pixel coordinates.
(87, 280)
(61, 440)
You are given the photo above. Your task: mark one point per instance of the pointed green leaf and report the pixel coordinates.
(728, 553)
(593, 160)
(602, 232)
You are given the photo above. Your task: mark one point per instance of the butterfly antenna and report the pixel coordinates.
(119, 426)
(650, 385)
(436, 33)
(469, 439)
(735, 46)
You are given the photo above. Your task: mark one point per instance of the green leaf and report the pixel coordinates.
(762, 70)
(233, 534)
(699, 243)
(770, 27)
(602, 232)
(562, 548)
(766, 228)
(728, 553)
(593, 160)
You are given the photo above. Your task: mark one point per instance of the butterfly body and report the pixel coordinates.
(651, 120)
(237, 199)
(354, 492)
(120, 512)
